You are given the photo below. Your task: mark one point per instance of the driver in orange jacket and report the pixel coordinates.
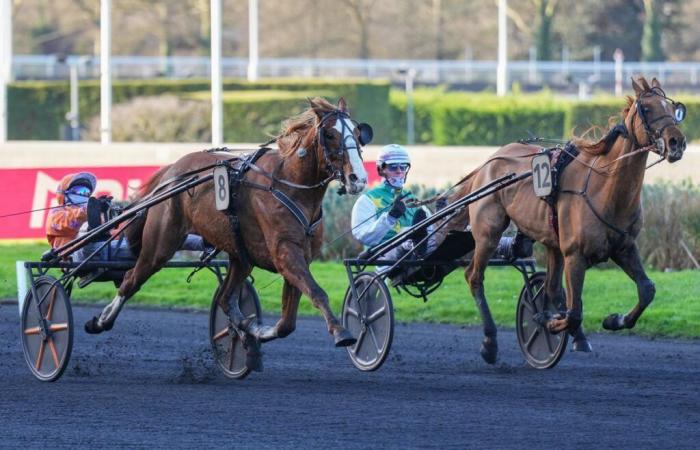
(64, 222)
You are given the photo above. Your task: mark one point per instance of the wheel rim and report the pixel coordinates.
(371, 319)
(229, 352)
(47, 354)
(541, 349)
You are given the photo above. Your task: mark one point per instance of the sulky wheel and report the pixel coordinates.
(227, 345)
(542, 349)
(47, 330)
(368, 314)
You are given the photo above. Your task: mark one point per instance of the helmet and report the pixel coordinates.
(390, 154)
(85, 179)
(76, 188)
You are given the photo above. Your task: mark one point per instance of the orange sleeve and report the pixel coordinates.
(65, 222)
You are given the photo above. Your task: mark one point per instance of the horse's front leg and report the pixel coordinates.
(575, 272)
(554, 290)
(287, 323)
(292, 265)
(629, 260)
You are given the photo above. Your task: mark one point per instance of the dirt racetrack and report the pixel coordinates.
(150, 382)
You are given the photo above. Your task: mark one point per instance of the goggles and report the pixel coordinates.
(82, 191)
(395, 167)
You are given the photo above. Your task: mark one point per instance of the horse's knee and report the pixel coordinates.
(646, 291)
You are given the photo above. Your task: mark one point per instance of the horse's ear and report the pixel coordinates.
(342, 104)
(316, 105)
(655, 83)
(637, 85)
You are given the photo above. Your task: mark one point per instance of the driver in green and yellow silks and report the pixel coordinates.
(381, 213)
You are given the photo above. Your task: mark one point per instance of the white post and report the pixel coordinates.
(74, 114)
(502, 69)
(105, 71)
(5, 62)
(252, 40)
(532, 65)
(217, 127)
(21, 283)
(410, 115)
(596, 62)
(618, 56)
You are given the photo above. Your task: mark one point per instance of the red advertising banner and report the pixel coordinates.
(31, 191)
(24, 190)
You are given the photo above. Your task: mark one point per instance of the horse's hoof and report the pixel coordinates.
(254, 362)
(581, 345)
(343, 338)
(253, 355)
(92, 326)
(614, 322)
(489, 350)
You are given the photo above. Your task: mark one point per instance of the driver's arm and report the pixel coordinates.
(369, 227)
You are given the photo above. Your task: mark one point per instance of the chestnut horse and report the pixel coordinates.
(597, 205)
(319, 145)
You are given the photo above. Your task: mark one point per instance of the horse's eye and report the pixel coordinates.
(329, 136)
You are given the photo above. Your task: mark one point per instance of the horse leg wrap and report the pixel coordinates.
(106, 320)
(574, 319)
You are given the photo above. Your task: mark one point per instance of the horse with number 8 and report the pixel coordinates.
(319, 145)
(596, 213)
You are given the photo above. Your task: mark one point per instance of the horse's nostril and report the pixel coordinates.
(673, 142)
(353, 178)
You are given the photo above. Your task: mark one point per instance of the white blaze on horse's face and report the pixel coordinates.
(355, 175)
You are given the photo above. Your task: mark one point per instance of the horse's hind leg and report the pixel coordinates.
(155, 253)
(474, 274)
(554, 290)
(292, 265)
(629, 260)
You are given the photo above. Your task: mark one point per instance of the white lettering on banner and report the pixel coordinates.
(132, 186)
(112, 187)
(43, 187)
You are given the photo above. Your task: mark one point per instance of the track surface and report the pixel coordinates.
(150, 382)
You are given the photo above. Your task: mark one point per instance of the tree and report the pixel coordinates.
(543, 30)
(651, 37)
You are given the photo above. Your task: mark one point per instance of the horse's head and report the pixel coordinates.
(654, 119)
(340, 139)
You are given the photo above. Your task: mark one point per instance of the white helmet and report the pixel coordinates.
(392, 154)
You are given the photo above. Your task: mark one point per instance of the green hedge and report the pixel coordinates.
(457, 118)
(480, 119)
(37, 109)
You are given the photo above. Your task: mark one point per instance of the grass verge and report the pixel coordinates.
(675, 312)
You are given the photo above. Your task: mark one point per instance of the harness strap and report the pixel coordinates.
(309, 228)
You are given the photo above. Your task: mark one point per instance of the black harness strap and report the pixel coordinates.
(309, 228)
(236, 175)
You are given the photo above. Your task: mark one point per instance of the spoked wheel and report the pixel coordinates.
(542, 349)
(47, 329)
(368, 314)
(227, 345)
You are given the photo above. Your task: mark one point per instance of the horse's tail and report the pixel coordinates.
(134, 231)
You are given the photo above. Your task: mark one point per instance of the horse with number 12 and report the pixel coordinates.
(276, 224)
(593, 213)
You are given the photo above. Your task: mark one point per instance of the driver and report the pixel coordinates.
(381, 213)
(77, 208)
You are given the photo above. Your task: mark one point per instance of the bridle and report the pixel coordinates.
(335, 173)
(655, 142)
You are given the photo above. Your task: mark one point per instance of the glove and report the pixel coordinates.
(398, 209)
(105, 202)
(440, 203)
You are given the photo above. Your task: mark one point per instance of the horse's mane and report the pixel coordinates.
(604, 144)
(295, 131)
